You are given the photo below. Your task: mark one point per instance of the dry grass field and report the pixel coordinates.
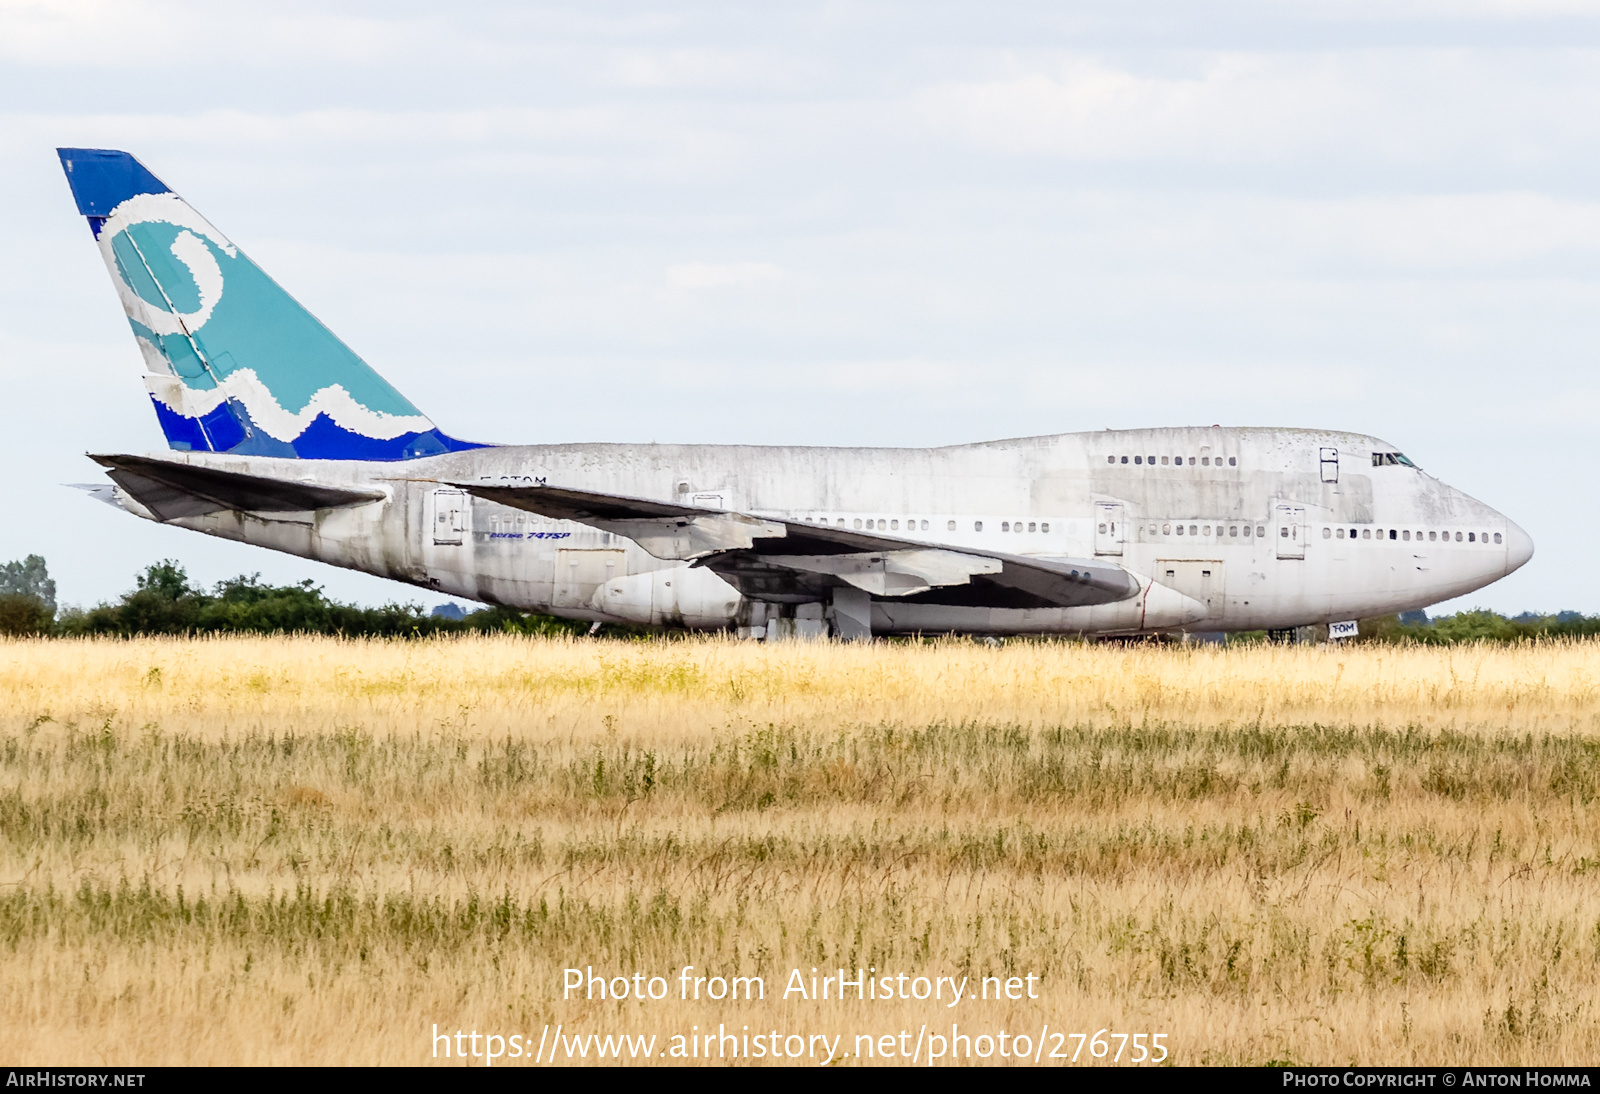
(305, 850)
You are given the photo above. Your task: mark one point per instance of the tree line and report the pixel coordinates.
(164, 601)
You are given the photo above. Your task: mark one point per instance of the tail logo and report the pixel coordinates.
(143, 297)
(233, 363)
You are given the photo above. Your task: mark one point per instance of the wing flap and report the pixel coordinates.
(893, 573)
(171, 490)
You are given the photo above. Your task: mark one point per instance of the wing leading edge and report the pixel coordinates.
(789, 561)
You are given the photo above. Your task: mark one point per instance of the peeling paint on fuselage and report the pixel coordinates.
(1044, 496)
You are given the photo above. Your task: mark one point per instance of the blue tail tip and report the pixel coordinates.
(102, 179)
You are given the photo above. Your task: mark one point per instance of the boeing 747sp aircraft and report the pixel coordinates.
(281, 436)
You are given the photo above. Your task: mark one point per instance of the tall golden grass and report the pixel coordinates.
(309, 850)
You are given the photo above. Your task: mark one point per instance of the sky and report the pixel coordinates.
(884, 223)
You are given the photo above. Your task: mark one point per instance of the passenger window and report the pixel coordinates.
(1261, 529)
(1032, 528)
(950, 526)
(1166, 529)
(977, 526)
(925, 526)
(1205, 461)
(1458, 537)
(1283, 533)
(1138, 459)
(1151, 460)
(1164, 460)
(895, 525)
(1208, 529)
(1497, 537)
(1327, 533)
(1005, 526)
(1180, 529)
(1246, 531)
(1366, 533)
(1017, 527)
(1341, 533)
(1433, 535)
(1393, 534)
(1191, 461)
(1232, 531)
(1044, 527)
(1405, 535)
(1192, 531)
(1111, 459)
(858, 522)
(1471, 538)
(1124, 459)
(1102, 529)
(1233, 461)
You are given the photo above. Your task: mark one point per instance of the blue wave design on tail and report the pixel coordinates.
(233, 362)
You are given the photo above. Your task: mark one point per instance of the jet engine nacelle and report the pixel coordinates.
(679, 597)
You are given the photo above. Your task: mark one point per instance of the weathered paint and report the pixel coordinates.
(1216, 528)
(1063, 482)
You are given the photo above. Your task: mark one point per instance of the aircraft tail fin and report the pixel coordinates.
(233, 363)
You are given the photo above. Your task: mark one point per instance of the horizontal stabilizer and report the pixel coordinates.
(171, 490)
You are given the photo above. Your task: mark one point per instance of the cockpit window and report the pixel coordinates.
(1391, 459)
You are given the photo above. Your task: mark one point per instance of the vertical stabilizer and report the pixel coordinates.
(233, 363)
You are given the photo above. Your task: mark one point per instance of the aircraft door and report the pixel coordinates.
(452, 515)
(1109, 528)
(580, 572)
(1330, 465)
(1291, 521)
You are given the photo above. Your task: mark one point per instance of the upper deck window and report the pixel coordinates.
(1391, 459)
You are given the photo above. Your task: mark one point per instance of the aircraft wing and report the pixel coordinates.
(773, 558)
(171, 490)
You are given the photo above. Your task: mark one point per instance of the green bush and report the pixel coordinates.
(164, 602)
(21, 614)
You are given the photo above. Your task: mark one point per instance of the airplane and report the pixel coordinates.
(279, 435)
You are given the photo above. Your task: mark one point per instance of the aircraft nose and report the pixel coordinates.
(1519, 547)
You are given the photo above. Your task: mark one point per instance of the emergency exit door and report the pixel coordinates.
(1109, 530)
(1290, 530)
(451, 515)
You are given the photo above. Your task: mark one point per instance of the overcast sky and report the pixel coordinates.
(840, 223)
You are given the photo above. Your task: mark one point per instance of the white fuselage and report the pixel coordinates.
(1257, 526)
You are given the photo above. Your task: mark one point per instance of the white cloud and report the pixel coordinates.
(1411, 105)
(714, 275)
